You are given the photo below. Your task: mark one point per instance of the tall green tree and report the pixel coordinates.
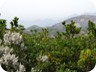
(2, 27)
(71, 29)
(14, 23)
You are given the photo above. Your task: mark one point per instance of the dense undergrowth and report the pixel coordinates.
(68, 51)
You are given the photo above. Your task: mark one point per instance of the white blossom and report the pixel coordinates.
(12, 37)
(35, 70)
(21, 68)
(22, 45)
(9, 59)
(43, 58)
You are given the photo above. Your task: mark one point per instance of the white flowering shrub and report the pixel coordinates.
(12, 38)
(10, 60)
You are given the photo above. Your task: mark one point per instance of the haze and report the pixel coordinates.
(30, 11)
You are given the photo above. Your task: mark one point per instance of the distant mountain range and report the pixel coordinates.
(81, 21)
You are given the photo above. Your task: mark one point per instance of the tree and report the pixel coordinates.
(91, 28)
(2, 27)
(14, 23)
(71, 29)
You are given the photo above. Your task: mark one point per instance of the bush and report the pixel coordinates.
(69, 51)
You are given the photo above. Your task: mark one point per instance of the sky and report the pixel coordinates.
(33, 10)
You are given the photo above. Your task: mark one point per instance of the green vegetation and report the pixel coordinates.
(69, 51)
(2, 27)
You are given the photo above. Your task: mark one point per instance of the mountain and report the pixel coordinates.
(39, 22)
(34, 27)
(80, 21)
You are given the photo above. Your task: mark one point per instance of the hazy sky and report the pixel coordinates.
(45, 9)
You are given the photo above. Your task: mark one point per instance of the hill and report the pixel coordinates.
(80, 21)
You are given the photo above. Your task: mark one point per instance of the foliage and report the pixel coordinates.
(69, 51)
(2, 27)
(15, 26)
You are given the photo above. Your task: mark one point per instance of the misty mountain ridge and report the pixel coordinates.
(80, 21)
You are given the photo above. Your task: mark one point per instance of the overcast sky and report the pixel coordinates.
(45, 9)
